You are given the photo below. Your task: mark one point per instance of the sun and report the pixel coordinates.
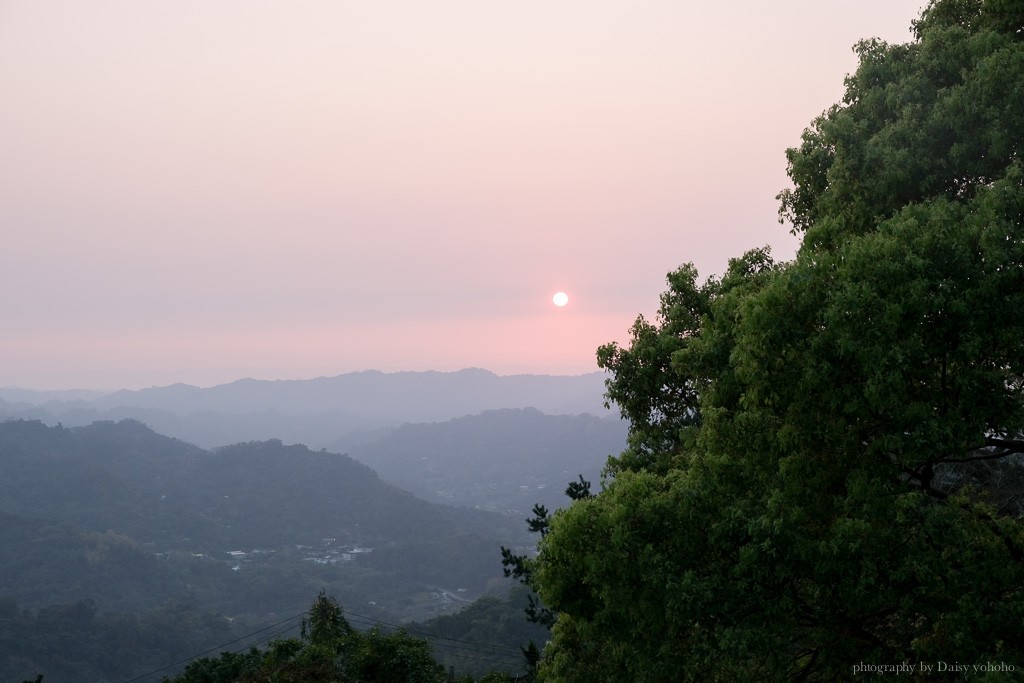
(560, 299)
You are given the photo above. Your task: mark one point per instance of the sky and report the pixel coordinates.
(203, 190)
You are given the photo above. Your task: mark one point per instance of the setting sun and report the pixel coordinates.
(560, 299)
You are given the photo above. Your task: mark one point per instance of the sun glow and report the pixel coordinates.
(560, 299)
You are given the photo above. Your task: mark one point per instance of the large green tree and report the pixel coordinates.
(825, 461)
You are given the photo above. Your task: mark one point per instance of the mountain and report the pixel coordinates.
(400, 396)
(316, 412)
(254, 526)
(37, 397)
(503, 460)
(206, 428)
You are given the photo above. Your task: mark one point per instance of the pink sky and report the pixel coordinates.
(203, 190)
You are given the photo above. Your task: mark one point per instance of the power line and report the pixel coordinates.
(266, 639)
(434, 636)
(456, 647)
(219, 648)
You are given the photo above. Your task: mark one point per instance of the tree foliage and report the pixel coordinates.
(329, 649)
(825, 458)
(521, 567)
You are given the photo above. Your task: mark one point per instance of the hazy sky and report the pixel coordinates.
(202, 190)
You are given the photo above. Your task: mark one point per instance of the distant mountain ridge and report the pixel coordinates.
(15, 394)
(316, 412)
(405, 396)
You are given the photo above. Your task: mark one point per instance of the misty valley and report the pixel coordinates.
(127, 549)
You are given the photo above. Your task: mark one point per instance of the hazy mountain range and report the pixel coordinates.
(316, 412)
(468, 438)
(131, 502)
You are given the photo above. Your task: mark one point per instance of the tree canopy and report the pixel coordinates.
(825, 457)
(329, 649)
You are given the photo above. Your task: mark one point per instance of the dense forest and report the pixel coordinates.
(824, 471)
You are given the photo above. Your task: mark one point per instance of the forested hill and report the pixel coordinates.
(227, 525)
(502, 460)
